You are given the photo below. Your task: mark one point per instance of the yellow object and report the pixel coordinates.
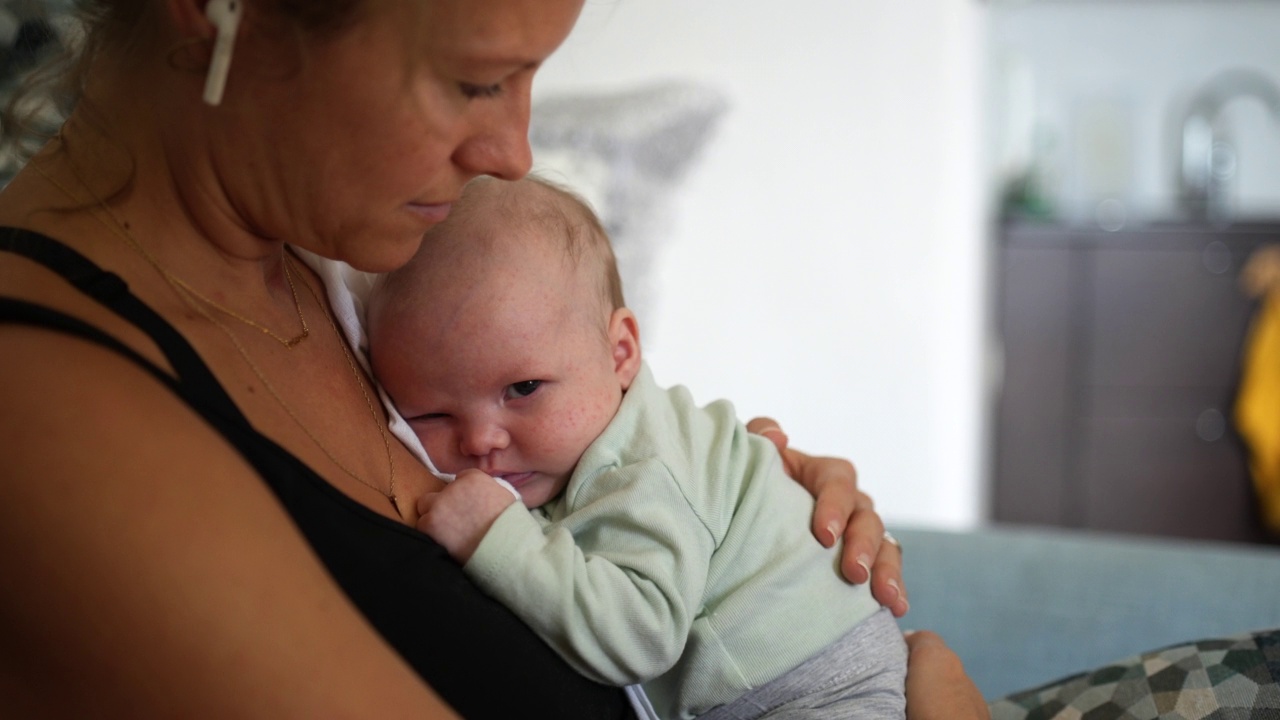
(1257, 410)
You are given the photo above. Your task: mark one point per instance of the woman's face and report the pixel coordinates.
(360, 150)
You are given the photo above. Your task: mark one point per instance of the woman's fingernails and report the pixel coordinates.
(897, 590)
(833, 531)
(865, 562)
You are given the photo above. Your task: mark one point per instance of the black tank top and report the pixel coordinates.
(474, 652)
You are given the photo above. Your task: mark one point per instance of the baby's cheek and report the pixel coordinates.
(437, 445)
(578, 428)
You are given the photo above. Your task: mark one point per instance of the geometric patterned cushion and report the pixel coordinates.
(1235, 678)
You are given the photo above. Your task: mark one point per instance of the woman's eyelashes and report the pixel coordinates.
(524, 388)
(473, 91)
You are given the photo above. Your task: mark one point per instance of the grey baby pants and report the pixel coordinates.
(861, 676)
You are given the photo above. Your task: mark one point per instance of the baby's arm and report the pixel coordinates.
(458, 516)
(614, 584)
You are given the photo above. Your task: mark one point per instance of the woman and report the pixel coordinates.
(226, 533)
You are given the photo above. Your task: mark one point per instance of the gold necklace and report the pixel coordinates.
(379, 421)
(121, 230)
(287, 342)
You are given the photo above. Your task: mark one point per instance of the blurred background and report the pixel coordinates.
(991, 251)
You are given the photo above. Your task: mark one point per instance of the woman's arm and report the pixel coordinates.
(148, 570)
(843, 510)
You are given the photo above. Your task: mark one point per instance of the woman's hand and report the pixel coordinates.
(937, 686)
(844, 511)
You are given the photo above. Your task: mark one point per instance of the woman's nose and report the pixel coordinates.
(504, 155)
(501, 146)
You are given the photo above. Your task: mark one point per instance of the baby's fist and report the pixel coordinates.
(459, 515)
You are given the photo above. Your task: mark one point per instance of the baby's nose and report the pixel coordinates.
(480, 439)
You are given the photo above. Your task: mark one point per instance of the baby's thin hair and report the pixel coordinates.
(558, 214)
(571, 218)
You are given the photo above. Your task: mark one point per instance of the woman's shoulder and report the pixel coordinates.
(132, 531)
(44, 282)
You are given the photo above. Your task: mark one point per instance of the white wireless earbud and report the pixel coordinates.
(225, 15)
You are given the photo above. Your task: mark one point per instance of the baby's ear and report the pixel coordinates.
(624, 339)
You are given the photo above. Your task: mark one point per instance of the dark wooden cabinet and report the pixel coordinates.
(1121, 362)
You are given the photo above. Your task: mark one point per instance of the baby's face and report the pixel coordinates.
(509, 374)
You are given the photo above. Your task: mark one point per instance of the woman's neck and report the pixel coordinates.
(120, 197)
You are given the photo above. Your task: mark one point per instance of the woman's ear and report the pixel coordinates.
(624, 339)
(191, 20)
(208, 31)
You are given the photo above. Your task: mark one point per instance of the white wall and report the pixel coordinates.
(828, 260)
(1059, 62)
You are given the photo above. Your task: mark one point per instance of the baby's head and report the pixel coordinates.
(505, 342)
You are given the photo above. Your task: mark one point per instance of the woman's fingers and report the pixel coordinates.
(833, 482)
(841, 510)
(863, 534)
(845, 511)
(886, 578)
(835, 498)
(769, 428)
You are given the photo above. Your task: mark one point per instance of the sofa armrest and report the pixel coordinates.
(1024, 607)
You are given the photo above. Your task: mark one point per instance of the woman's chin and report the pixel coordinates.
(383, 254)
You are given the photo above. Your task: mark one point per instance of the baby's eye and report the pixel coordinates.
(524, 388)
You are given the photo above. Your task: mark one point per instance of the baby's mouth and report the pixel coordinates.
(517, 479)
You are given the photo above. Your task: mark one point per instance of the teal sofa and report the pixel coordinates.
(1024, 607)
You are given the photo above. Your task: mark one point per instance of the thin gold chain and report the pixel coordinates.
(380, 423)
(123, 231)
(287, 342)
(118, 228)
(378, 419)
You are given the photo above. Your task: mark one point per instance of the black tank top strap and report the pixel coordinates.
(21, 312)
(111, 291)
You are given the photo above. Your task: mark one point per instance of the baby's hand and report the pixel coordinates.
(458, 516)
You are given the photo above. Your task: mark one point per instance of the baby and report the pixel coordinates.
(663, 544)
